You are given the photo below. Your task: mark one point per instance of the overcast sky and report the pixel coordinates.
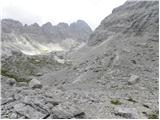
(55, 11)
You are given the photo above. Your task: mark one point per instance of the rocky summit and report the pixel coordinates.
(109, 73)
(34, 39)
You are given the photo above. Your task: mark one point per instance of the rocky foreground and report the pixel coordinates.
(114, 76)
(33, 100)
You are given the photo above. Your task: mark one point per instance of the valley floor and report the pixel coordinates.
(76, 100)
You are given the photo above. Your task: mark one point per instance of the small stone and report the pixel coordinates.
(20, 84)
(39, 74)
(13, 116)
(133, 79)
(34, 83)
(11, 81)
(102, 82)
(52, 101)
(27, 100)
(49, 105)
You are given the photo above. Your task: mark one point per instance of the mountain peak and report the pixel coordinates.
(48, 24)
(35, 25)
(63, 25)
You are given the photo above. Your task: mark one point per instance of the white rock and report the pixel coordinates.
(39, 74)
(133, 79)
(34, 83)
(130, 113)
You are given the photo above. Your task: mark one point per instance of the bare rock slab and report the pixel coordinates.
(129, 113)
(28, 111)
(63, 111)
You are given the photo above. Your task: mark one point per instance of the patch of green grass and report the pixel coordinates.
(116, 102)
(114, 86)
(14, 76)
(152, 116)
(5, 73)
(144, 113)
(131, 100)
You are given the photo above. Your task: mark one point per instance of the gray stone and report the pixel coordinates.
(52, 101)
(18, 96)
(13, 116)
(20, 84)
(102, 82)
(23, 117)
(11, 81)
(130, 113)
(18, 106)
(49, 105)
(28, 111)
(39, 74)
(64, 111)
(34, 83)
(27, 100)
(6, 100)
(133, 79)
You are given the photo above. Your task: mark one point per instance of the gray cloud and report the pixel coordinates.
(55, 11)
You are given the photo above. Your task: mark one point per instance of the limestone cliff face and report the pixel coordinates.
(34, 39)
(125, 42)
(123, 54)
(132, 18)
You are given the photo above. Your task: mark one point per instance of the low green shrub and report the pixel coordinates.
(116, 102)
